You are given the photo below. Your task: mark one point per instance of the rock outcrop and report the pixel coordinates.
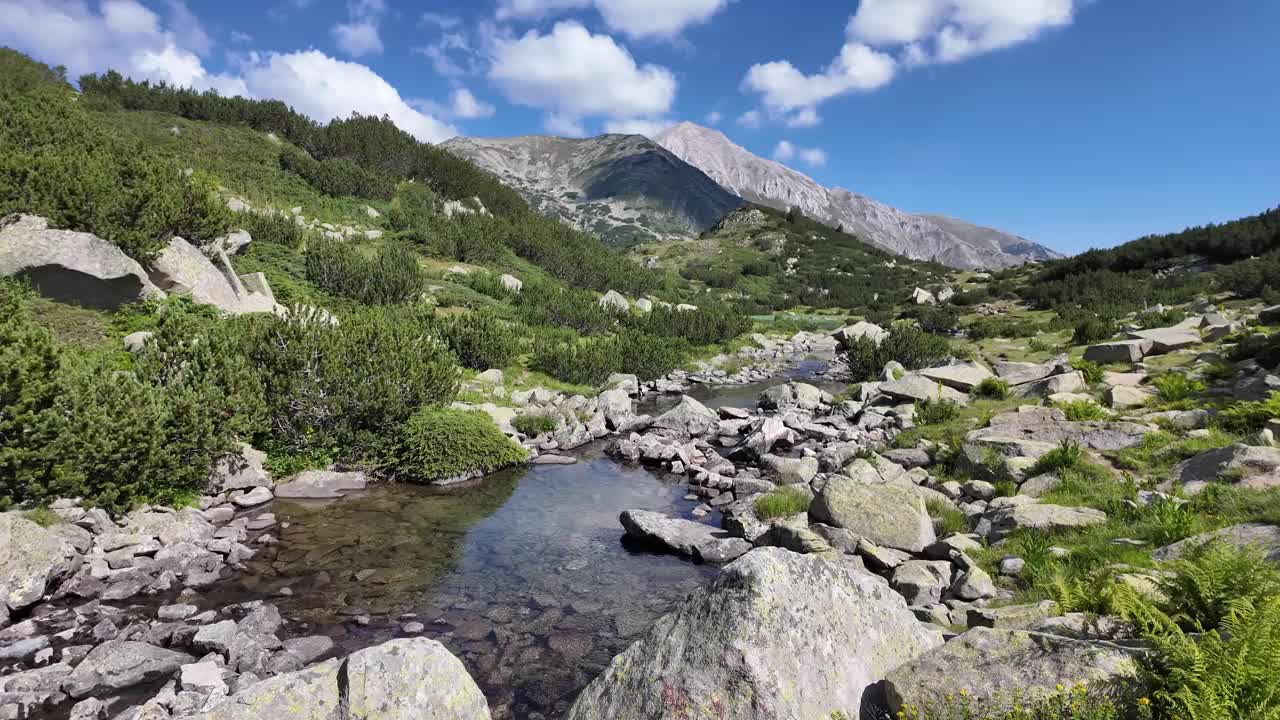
(746, 648)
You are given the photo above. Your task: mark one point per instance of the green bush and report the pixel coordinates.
(392, 276)
(1247, 417)
(533, 425)
(1082, 410)
(998, 327)
(413, 209)
(783, 502)
(1093, 330)
(589, 361)
(29, 391)
(439, 443)
(337, 176)
(953, 520)
(991, 388)
(936, 411)
(909, 345)
(274, 229)
(1091, 371)
(480, 340)
(348, 386)
(56, 162)
(1176, 387)
(649, 357)
(1068, 455)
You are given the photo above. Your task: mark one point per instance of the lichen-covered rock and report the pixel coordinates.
(71, 266)
(914, 387)
(886, 514)
(689, 418)
(410, 679)
(791, 471)
(999, 522)
(776, 635)
(1254, 467)
(686, 537)
(32, 559)
(962, 376)
(991, 664)
(1261, 537)
(119, 664)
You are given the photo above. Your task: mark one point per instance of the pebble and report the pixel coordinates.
(413, 628)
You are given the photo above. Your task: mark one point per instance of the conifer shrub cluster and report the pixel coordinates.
(347, 386)
(118, 431)
(480, 340)
(57, 163)
(392, 276)
(590, 361)
(337, 176)
(907, 344)
(440, 443)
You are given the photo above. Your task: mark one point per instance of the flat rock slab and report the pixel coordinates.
(1249, 466)
(990, 664)
(886, 514)
(963, 376)
(1123, 351)
(686, 537)
(1167, 340)
(321, 485)
(553, 460)
(1260, 536)
(776, 635)
(120, 664)
(915, 387)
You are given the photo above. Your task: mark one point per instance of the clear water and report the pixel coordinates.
(525, 575)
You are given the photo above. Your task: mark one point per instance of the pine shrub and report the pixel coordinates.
(1092, 330)
(991, 388)
(392, 276)
(438, 443)
(480, 340)
(909, 345)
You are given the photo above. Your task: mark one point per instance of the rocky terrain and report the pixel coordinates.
(624, 188)
(922, 237)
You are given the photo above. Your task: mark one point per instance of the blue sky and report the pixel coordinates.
(1075, 123)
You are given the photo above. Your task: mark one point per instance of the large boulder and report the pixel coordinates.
(791, 471)
(185, 270)
(914, 387)
(845, 336)
(886, 514)
(995, 664)
(793, 395)
(1123, 351)
(1262, 537)
(1068, 382)
(1001, 521)
(963, 376)
(71, 267)
(688, 418)
(613, 300)
(119, 664)
(615, 406)
(1167, 340)
(321, 485)
(413, 679)
(1019, 373)
(776, 635)
(686, 537)
(240, 470)
(1270, 316)
(1050, 425)
(32, 560)
(1245, 465)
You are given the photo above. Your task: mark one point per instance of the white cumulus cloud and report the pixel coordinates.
(786, 151)
(358, 38)
(784, 88)
(637, 18)
(572, 73)
(465, 105)
(638, 126)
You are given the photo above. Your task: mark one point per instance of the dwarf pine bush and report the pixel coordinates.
(480, 340)
(439, 443)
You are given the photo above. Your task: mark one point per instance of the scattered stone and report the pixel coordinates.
(1124, 351)
(119, 664)
(885, 514)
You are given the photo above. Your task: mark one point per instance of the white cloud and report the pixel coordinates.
(637, 18)
(883, 36)
(452, 55)
(951, 30)
(358, 38)
(650, 128)
(714, 117)
(572, 73)
(813, 157)
(785, 151)
(804, 118)
(784, 88)
(465, 105)
(750, 119)
(441, 20)
(326, 88)
(563, 126)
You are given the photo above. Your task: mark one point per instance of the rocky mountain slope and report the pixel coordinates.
(625, 188)
(921, 237)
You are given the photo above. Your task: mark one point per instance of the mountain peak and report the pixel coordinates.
(920, 237)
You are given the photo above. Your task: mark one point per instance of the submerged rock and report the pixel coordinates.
(776, 635)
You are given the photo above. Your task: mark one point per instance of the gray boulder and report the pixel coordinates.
(886, 514)
(32, 560)
(688, 418)
(1005, 519)
(1245, 465)
(321, 485)
(1270, 316)
(992, 664)
(1262, 537)
(963, 376)
(791, 471)
(776, 635)
(845, 336)
(1123, 351)
(183, 269)
(685, 537)
(615, 406)
(613, 300)
(119, 664)
(71, 267)
(240, 471)
(1167, 340)
(1019, 373)
(914, 387)
(1068, 382)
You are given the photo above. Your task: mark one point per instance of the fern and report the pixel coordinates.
(1209, 579)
